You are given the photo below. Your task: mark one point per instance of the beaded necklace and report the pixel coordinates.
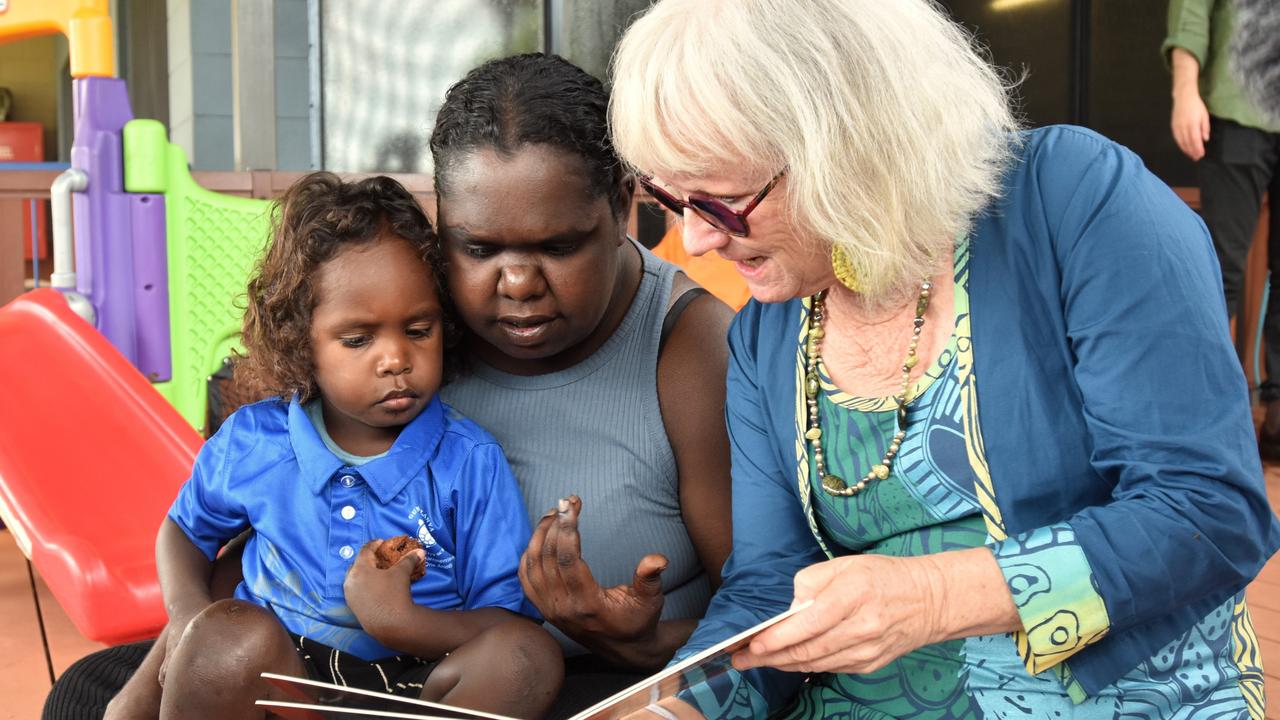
(833, 484)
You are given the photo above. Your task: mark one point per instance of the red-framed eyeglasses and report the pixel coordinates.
(715, 212)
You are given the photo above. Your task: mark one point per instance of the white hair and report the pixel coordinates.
(894, 127)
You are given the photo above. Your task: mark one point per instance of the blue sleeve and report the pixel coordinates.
(771, 537)
(207, 508)
(492, 532)
(1165, 402)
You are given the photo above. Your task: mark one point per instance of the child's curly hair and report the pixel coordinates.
(316, 218)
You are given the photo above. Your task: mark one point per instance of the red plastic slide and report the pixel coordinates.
(91, 456)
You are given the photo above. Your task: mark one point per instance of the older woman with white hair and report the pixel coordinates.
(984, 407)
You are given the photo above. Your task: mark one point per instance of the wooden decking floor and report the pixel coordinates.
(24, 673)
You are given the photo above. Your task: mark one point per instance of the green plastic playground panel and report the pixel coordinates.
(213, 241)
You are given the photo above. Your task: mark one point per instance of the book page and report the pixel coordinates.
(316, 700)
(714, 661)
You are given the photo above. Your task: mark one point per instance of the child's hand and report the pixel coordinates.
(170, 636)
(378, 597)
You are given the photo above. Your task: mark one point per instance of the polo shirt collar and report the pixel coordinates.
(386, 475)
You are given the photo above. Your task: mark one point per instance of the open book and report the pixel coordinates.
(318, 701)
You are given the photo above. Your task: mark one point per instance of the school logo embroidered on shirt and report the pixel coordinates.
(436, 555)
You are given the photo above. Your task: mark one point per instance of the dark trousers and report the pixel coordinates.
(85, 688)
(1239, 165)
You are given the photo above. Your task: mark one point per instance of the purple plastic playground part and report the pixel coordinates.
(151, 286)
(115, 259)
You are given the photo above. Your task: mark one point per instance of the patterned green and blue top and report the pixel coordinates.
(939, 498)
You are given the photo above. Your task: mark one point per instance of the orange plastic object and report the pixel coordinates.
(710, 271)
(91, 456)
(86, 23)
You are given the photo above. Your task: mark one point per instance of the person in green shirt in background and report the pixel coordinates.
(1255, 54)
(1236, 148)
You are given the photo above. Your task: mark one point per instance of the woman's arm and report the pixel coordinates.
(622, 623)
(691, 382)
(772, 541)
(1180, 521)
(691, 389)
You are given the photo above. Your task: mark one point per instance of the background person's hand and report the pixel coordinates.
(1190, 123)
(868, 610)
(1189, 119)
(559, 583)
(377, 596)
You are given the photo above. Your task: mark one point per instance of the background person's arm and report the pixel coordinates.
(1190, 118)
(1185, 50)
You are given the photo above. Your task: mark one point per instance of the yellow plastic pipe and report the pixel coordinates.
(86, 23)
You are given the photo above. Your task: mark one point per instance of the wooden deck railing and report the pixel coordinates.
(18, 186)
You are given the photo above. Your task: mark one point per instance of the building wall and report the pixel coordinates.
(200, 83)
(293, 82)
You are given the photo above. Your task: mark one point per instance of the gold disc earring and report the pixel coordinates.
(844, 269)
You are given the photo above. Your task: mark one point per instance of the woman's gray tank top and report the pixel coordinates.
(596, 430)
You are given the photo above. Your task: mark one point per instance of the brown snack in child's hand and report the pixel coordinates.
(392, 549)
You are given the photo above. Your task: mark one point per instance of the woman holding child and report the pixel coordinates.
(985, 414)
(599, 369)
(570, 323)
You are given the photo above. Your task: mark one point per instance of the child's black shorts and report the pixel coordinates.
(400, 675)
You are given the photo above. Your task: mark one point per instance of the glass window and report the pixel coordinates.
(588, 30)
(386, 67)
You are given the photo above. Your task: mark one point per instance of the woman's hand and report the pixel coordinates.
(869, 610)
(378, 597)
(561, 586)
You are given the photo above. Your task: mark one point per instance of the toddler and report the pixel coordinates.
(348, 331)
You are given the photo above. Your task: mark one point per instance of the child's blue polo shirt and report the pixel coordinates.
(445, 481)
